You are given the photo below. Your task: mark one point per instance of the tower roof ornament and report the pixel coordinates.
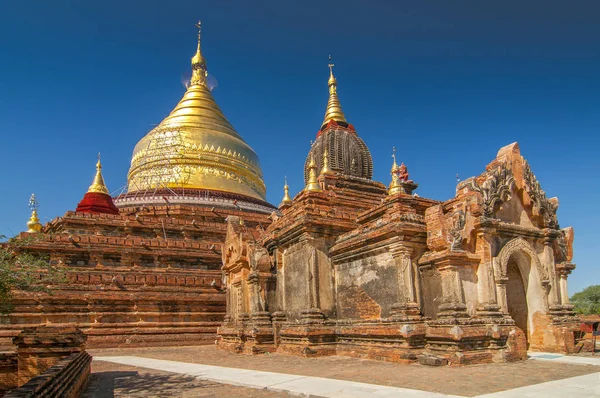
(334, 108)
(287, 200)
(33, 225)
(98, 185)
(312, 184)
(199, 71)
(395, 186)
(326, 170)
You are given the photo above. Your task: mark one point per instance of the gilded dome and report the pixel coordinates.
(196, 147)
(347, 152)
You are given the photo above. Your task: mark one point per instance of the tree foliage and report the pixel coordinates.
(24, 270)
(587, 301)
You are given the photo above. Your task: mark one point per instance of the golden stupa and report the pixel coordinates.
(196, 147)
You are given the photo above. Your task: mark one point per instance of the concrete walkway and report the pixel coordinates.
(294, 384)
(549, 356)
(580, 386)
(587, 385)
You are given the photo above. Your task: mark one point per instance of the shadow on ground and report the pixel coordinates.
(134, 384)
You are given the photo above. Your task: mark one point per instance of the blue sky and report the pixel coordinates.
(447, 83)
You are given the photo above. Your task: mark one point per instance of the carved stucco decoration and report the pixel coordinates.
(519, 245)
(542, 206)
(563, 248)
(456, 233)
(496, 189)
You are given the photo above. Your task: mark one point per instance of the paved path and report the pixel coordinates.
(112, 380)
(578, 360)
(468, 381)
(586, 385)
(573, 387)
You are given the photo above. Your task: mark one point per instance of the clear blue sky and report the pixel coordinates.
(446, 82)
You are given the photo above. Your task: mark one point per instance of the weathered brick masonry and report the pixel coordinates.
(150, 275)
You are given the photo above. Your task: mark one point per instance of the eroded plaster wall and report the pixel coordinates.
(367, 287)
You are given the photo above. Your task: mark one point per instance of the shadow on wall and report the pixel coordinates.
(132, 384)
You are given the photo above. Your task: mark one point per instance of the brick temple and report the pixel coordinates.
(354, 267)
(192, 252)
(144, 267)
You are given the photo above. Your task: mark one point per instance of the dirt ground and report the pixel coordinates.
(110, 380)
(466, 380)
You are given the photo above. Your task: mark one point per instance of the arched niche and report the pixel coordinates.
(534, 278)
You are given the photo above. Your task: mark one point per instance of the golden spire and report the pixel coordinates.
(98, 185)
(326, 170)
(33, 224)
(312, 184)
(334, 108)
(395, 186)
(286, 194)
(196, 147)
(199, 71)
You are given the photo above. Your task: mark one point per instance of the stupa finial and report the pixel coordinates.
(312, 184)
(326, 170)
(199, 71)
(334, 108)
(286, 193)
(33, 225)
(98, 185)
(395, 186)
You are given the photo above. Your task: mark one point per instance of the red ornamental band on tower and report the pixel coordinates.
(97, 199)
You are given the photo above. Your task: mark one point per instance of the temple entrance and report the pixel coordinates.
(516, 296)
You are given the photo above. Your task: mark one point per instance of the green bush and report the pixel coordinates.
(24, 270)
(587, 301)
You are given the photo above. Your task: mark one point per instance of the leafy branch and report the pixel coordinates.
(26, 270)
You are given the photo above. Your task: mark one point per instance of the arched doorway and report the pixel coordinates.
(520, 282)
(516, 296)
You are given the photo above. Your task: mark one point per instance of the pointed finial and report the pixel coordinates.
(33, 203)
(286, 194)
(199, 71)
(33, 225)
(395, 165)
(98, 185)
(395, 186)
(312, 184)
(199, 26)
(326, 170)
(334, 108)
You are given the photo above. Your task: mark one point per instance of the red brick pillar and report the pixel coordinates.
(39, 348)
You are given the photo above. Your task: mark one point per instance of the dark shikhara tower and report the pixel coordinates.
(145, 268)
(348, 154)
(352, 267)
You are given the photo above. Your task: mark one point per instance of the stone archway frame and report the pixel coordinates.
(520, 245)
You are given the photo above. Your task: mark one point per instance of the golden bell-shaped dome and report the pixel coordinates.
(196, 147)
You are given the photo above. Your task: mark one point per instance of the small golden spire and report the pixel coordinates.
(199, 71)
(326, 170)
(334, 108)
(33, 225)
(312, 184)
(98, 185)
(395, 186)
(286, 194)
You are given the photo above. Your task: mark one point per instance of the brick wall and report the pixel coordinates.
(66, 379)
(8, 371)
